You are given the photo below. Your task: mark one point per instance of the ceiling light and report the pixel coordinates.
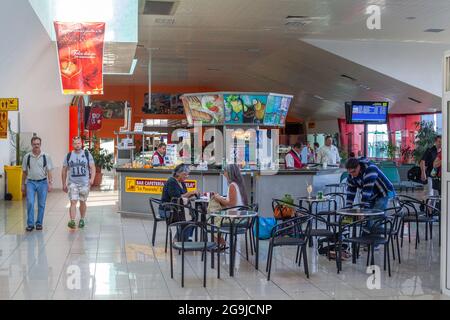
(432, 109)
(434, 30)
(415, 100)
(254, 50)
(410, 18)
(348, 77)
(364, 86)
(318, 97)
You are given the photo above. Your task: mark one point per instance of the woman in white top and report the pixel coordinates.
(237, 195)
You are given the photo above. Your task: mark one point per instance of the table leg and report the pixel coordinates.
(257, 244)
(232, 244)
(354, 245)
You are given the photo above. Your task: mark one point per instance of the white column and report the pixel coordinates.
(445, 245)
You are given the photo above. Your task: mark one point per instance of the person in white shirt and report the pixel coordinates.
(329, 153)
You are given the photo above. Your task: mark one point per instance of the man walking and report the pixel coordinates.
(37, 178)
(81, 167)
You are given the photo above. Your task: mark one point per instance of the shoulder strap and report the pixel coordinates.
(44, 158)
(28, 161)
(86, 154)
(68, 157)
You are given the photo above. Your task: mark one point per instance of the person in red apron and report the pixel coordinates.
(293, 159)
(158, 156)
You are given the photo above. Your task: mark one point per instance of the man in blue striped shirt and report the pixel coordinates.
(376, 187)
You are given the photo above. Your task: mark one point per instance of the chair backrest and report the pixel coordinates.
(154, 202)
(391, 173)
(297, 227)
(388, 164)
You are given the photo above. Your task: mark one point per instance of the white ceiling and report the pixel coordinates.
(248, 42)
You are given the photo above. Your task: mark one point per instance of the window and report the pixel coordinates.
(377, 141)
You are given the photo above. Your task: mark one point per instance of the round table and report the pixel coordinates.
(234, 215)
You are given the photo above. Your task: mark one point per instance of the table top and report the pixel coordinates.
(314, 199)
(360, 212)
(235, 214)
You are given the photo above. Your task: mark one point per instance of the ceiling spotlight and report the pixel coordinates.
(318, 97)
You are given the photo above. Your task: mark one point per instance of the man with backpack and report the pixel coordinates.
(426, 164)
(37, 178)
(81, 167)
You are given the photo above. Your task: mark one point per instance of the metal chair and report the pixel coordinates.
(156, 217)
(293, 232)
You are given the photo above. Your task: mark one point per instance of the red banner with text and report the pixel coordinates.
(80, 53)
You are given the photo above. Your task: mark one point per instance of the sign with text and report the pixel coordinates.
(80, 52)
(9, 104)
(152, 186)
(3, 124)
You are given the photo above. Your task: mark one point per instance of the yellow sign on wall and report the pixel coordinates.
(3, 124)
(9, 104)
(152, 186)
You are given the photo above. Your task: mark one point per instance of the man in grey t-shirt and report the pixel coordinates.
(81, 167)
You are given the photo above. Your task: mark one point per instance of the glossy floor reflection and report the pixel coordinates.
(112, 258)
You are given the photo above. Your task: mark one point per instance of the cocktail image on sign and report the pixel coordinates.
(80, 53)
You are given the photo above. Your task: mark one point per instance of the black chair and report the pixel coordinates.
(293, 232)
(175, 212)
(371, 239)
(156, 217)
(183, 246)
(244, 226)
(419, 212)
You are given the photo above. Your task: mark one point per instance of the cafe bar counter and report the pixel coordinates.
(136, 186)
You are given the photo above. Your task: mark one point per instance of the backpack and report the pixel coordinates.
(86, 154)
(414, 174)
(44, 159)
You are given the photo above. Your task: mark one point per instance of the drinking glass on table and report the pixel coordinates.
(309, 189)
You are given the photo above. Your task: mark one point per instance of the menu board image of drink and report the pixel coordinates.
(284, 108)
(208, 109)
(254, 108)
(234, 109)
(276, 110)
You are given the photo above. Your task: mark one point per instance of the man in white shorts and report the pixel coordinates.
(81, 167)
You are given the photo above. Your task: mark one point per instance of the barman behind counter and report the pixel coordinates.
(158, 156)
(293, 159)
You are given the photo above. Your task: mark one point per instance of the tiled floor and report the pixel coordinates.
(112, 258)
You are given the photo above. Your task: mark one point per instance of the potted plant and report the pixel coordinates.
(424, 138)
(391, 151)
(102, 160)
(407, 154)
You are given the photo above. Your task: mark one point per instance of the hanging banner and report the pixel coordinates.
(3, 124)
(95, 118)
(80, 53)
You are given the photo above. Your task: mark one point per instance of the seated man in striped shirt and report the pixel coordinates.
(376, 187)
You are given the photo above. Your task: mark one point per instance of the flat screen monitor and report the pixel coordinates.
(369, 112)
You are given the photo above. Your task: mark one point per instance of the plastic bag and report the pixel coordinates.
(266, 225)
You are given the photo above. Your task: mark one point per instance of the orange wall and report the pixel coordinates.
(135, 96)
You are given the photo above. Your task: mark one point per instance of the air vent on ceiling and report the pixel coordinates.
(348, 77)
(162, 8)
(415, 100)
(167, 21)
(434, 30)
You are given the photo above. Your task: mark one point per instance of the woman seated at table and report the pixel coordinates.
(175, 187)
(237, 195)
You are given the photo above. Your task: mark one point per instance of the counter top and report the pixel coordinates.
(259, 172)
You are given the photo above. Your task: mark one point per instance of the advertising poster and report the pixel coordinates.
(208, 109)
(80, 53)
(234, 109)
(254, 108)
(284, 108)
(152, 186)
(111, 109)
(272, 116)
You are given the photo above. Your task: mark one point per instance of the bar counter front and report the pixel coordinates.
(136, 186)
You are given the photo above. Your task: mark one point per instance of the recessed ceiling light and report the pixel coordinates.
(364, 86)
(348, 77)
(434, 30)
(154, 49)
(213, 69)
(318, 97)
(253, 50)
(432, 109)
(415, 100)
(410, 18)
